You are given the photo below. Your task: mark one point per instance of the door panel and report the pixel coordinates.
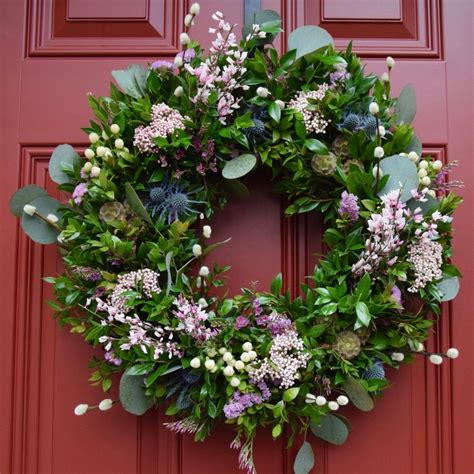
(57, 51)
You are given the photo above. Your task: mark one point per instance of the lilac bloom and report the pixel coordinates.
(79, 192)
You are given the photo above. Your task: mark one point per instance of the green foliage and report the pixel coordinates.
(357, 394)
(37, 228)
(24, 196)
(304, 460)
(239, 166)
(62, 163)
(307, 39)
(132, 394)
(331, 428)
(448, 287)
(405, 108)
(132, 80)
(402, 174)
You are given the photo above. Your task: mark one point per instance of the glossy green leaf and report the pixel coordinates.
(331, 429)
(63, 157)
(309, 38)
(36, 228)
(449, 288)
(363, 314)
(225, 307)
(239, 166)
(132, 80)
(357, 394)
(277, 283)
(316, 146)
(214, 246)
(402, 175)
(132, 394)
(405, 109)
(290, 394)
(24, 196)
(136, 204)
(304, 460)
(276, 431)
(274, 111)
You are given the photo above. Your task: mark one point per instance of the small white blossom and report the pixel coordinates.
(247, 346)
(252, 354)
(119, 144)
(280, 104)
(52, 218)
(195, 363)
(178, 61)
(310, 398)
(195, 9)
(203, 304)
(333, 406)
(114, 128)
(390, 62)
(377, 170)
(188, 20)
(378, 152)
(204, 271)
(397, 356)
(88, 153)
(374, 108)
(29, 209)
(81, 409)
(179, 91)
(106, 404)
(228, 371)
(95, 171)
(452, 353)
(184, 39)
(320, 400)
(413, 156)
(222, 350)
(93, 137)
(262, 92)
(437, 165)
(234, 382)
(436, 359)
(382, 131)
(342, 400)
(101, 150)
(197, 250)
(207, 231)
(209, 364)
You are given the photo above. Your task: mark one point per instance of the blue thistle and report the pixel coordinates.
(258, 132)
(170, 201)
(180, 385)
(377, 371)
(350, 122)
(369, 125)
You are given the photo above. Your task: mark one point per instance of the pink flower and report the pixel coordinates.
(241, 322)
(79, 192)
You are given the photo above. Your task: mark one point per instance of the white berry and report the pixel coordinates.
(195, 363)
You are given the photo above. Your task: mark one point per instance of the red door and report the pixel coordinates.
(58, 50)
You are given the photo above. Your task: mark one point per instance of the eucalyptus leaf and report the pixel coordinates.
(35, 227)
(402, 175)
(63, 157)
(136, 204)
(132, 80)
(331, 429)
(236, 188)
(357, 394)
(405, 109)
(415, 145)
(239, 166)
(260, 18)
(24, 196)
(304, 460)
(132, 394)
(309, 38)
(449, 288)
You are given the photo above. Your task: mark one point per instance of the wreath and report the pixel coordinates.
(167, 149)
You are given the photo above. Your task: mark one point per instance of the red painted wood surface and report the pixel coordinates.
(54, 53)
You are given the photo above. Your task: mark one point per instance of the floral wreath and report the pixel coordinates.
(169, 148)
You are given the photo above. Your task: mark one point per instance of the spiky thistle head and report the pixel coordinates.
(369, 125)
(350, 122)
(376, 371)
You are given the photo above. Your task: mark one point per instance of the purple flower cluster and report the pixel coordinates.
(241, 322)
(339, 75)
(87, 273)
(348, 206)
(208, 155)
(110, 356)
(192, 319)
(79, 192)
(241, 401)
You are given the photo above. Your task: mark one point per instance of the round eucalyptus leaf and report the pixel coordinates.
(309, 38)
(425, 206)
(402, 175)
(449, 288)
(35, 227)
(239, 166)
(304, 460)
(63, 157)
(415, 145)
(331, 429)
(405, 109)
(24, 196)
(357, 394)
(235, 188)
(259, 18)
(132, 394)
(132, 80)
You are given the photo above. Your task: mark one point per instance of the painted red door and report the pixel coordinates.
(55, 51)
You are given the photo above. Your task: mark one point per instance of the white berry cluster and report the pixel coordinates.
(145, 280)
(313, 120)
(426, 258)
(165, 120)
(321, 401)
(287, 356)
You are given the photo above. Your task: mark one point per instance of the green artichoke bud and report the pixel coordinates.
(112, 211)
(340, 146)
(325, 165)
(347, 344)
